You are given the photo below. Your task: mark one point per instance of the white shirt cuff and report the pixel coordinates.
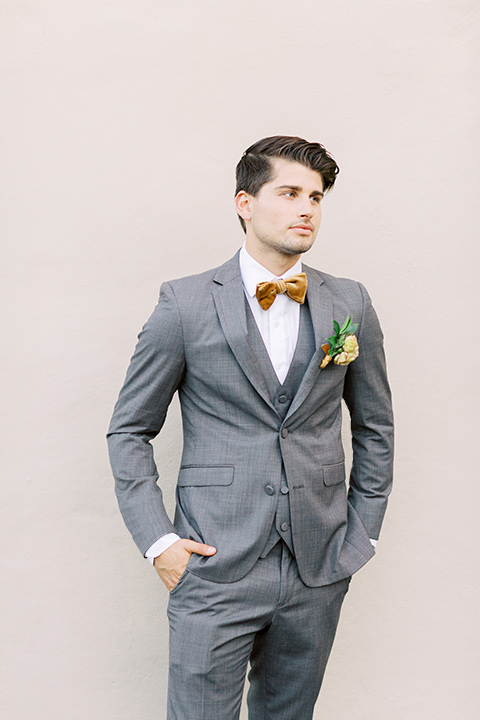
(161, 545)
(374, 542)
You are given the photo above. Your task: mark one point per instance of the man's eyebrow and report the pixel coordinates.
(297, 188)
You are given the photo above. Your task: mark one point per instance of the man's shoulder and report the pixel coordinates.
(189, 281)
(335, 284)
(199, 281)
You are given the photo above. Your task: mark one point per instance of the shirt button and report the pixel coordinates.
(282, 399)
(284, 490)
(284, 432)
(284, 527)
(269, 489)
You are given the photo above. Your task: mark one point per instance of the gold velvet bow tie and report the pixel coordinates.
(295, 287)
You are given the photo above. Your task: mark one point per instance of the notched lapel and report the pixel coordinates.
(229, 299)
(320, 304)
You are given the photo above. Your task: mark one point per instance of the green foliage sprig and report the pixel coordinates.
(336, 341)
(337, 348)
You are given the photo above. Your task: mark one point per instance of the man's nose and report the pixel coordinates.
(306, 209)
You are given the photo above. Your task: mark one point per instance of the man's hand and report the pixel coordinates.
(171, 564)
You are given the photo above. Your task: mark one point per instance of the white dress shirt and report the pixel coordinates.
(279, 324)
(278, 327)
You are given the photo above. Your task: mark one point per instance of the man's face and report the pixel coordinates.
(285, 216)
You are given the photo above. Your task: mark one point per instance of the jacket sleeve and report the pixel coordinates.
(367, 395)
(155, 372)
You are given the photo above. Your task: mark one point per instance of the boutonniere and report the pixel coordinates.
(342, 347)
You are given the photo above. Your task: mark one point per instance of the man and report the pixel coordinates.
(264, 541)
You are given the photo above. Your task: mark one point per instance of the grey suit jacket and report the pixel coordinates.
(235, 443)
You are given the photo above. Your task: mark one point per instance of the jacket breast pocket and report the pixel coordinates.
(334, 474)
(205, 475)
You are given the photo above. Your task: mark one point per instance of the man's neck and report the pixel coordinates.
(274, 262)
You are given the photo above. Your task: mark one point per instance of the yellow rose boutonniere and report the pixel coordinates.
(342, 347)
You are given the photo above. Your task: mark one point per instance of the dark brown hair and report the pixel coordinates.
(255, 168)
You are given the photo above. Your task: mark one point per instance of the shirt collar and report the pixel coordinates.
(253, 273)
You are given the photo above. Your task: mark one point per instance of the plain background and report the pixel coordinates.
(123, 122)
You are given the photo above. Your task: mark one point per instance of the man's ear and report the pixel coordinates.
(243, 205)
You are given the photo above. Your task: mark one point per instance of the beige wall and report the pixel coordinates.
(124, 121)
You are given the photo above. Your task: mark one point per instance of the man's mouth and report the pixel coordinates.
(302, 229)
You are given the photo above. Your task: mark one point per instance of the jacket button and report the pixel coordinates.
(284, 490)
(284, 432)
(282, 399)
(284, 527)
(269, 489)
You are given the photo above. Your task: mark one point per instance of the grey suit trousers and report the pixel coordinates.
(269, 617)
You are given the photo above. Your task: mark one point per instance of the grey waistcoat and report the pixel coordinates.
(282, 396)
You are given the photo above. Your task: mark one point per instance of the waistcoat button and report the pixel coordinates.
(269, 489)
(282, 399)
(284, 527)
(284, 490)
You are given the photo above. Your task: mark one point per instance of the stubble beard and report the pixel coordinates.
(288, 246)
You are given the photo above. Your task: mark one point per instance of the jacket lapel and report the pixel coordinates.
(320, 304)
(229, 298)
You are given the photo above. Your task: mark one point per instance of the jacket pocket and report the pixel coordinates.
(334, 474)
(205, 475)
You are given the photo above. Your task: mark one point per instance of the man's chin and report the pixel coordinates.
(298, 247)
(288, 246)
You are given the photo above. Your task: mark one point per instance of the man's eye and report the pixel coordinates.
(316, 199)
